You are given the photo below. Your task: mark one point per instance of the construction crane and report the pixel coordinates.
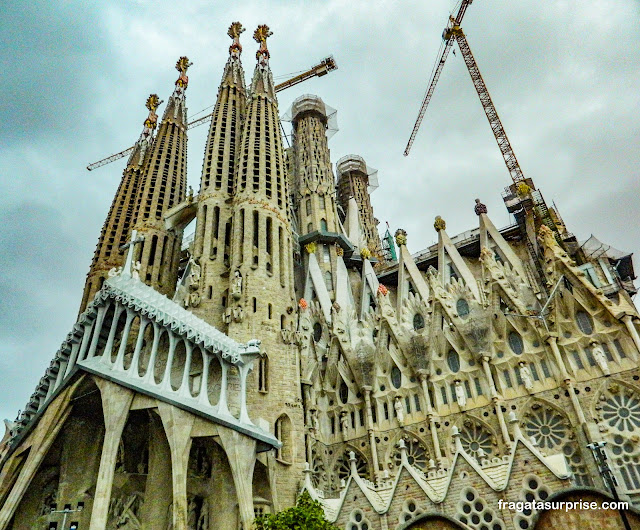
(453, 32)
(521, 197)
(328, 64)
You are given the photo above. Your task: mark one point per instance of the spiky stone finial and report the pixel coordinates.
(182, 66)
(260, 36)
(439, 224)
(480, 208)
(153, 102)
(401, 237)
(234, 32)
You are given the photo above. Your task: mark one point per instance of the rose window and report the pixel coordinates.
(473, 438)
(621, 409)
(551, 431)
(547, 426)
(417, 454)
(318, 471)
(343, 466)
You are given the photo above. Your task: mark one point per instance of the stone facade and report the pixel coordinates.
(422, 392)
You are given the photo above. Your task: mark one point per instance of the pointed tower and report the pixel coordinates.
(122, 214)
(212, 244)
(357, 180)
(313, 184)
(162, 186)
(261, 294)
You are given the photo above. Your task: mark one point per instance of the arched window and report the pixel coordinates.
(283, 433)
(323, 203)
(263, 374)
(317, 331)
(396, 377)
(344, 392)
(328, 279)
(462, 306)
(453, 360)
(584, 322)
(418, 321)
(326, 253)
(308, 206)
(323, 225)
(515, 343)
(309, 228)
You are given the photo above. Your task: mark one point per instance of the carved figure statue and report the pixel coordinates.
(460, 396)
(399, 408)
(600, 357)
(135, 273)
(124, 512)
(236, 288)
(194, 299)
(344, 421)
(192, 517)
(115, 271)
(238, 314)
(203, 520)
(195, 274)
(525, 374)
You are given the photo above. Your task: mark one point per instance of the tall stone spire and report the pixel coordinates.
(212, 243)
(312, 180)
(357, 180)
(162, 186)
(117, 226)
(261, 291)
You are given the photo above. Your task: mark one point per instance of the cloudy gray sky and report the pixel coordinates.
(564, 75)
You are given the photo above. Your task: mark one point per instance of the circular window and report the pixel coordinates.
(418, 321)
(344, 392)
(453, 360)
(317, 331)
(515, 343)
(396, 377)
(584, 322)
(462, 306)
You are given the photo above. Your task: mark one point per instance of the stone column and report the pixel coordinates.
(628, 321)
(241, 452)
(177, 425)
(553, 342)
(372, 437)
(40, 439)
(116, 401)
(424, 376)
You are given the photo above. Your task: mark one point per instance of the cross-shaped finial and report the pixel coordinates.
(126, 270)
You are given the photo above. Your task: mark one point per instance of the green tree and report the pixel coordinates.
(307, 514)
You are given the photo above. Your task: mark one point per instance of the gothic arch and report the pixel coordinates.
(553, 431)
(284, 432)
(418, 451)
(476, 434)
(342, 466)
(617, 411)
(562, 518)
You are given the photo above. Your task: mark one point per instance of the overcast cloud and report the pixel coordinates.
(564, 76)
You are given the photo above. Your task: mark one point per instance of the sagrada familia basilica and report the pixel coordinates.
(288, 347)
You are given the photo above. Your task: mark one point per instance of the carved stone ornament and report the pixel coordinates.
(401, 237)
(310, 247)
(480, 208)
(365, 253)
(439, 224)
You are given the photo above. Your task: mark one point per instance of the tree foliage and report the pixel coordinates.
(307, 514)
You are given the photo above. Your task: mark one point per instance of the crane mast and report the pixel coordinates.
(453, 32)
(489, 108)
